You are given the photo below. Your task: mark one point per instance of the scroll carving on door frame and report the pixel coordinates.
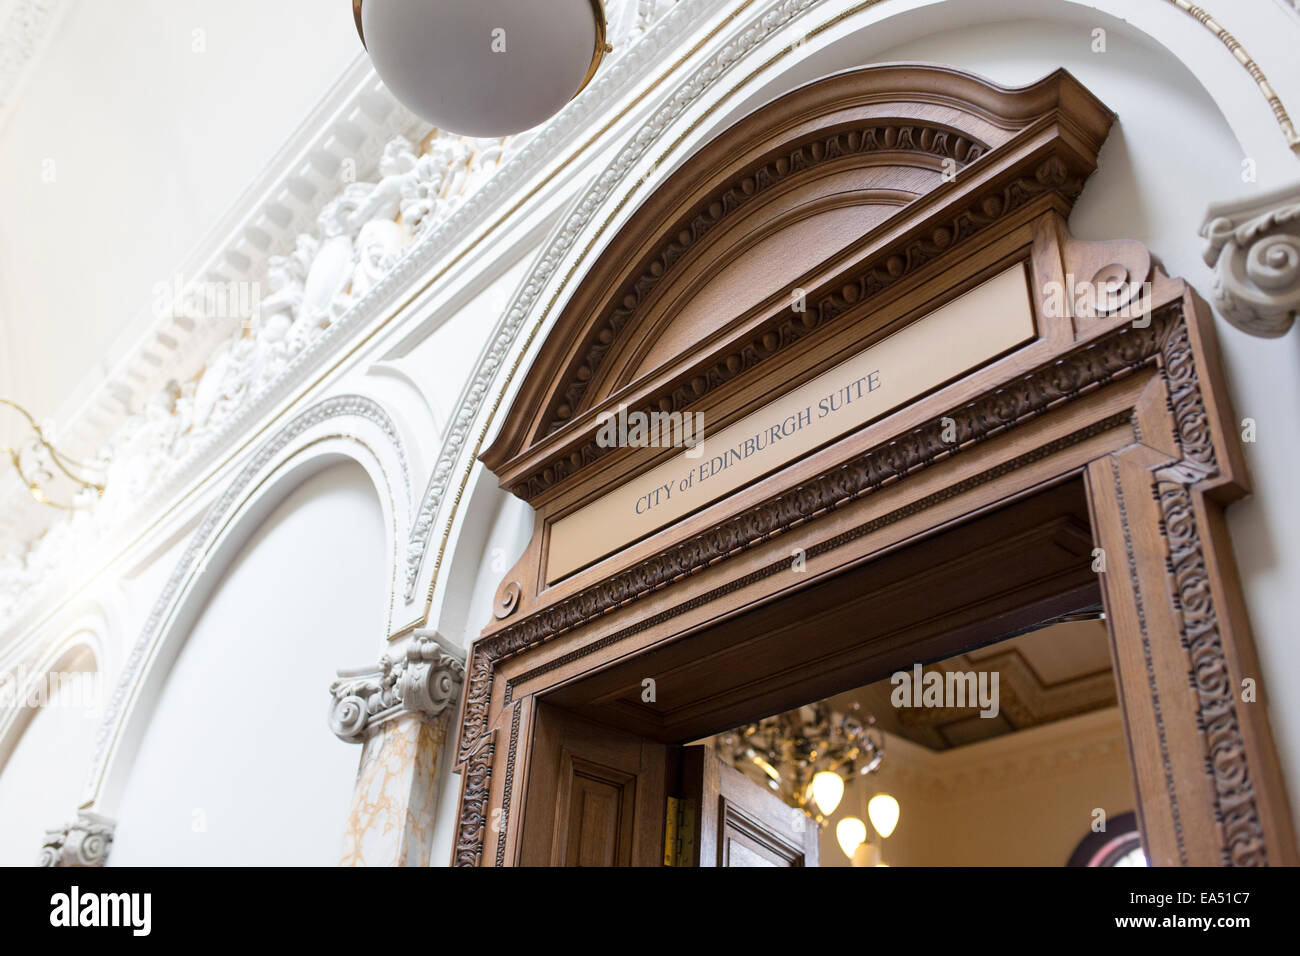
(943, 179)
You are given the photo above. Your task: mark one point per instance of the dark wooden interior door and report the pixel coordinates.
(726, 819)
(596, 795)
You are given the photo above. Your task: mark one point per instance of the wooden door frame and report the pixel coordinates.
(1136, 407)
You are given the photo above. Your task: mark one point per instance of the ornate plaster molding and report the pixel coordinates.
(306, 207)
(1044, 752)
(84, 842)
(1253, 246)
(425, 680)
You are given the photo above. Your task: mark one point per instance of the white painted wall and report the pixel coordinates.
(46, 767)
(239, 740)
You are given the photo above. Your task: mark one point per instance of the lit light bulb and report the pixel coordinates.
(851, 832)
(868, 854)
(827, 791)
(883, 811)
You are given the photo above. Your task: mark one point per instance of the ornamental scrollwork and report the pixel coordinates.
(425, 680)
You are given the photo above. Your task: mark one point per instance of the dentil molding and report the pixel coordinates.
(84, 842)
(1253, 246)
(425, 680)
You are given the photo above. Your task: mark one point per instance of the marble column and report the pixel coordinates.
(399, 712)
(1253, 246)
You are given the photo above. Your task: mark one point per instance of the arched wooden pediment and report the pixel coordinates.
(922, 213)
(697, 289)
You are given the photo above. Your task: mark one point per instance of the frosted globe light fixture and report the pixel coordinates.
(827, 791)
(851, 834)
(483, 67)
(882, 809)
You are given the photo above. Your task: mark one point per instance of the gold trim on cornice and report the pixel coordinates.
(597, 54)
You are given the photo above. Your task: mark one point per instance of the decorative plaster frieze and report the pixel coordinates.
(1253, 246)
(84, 842)
(358, 260)
(425, 680)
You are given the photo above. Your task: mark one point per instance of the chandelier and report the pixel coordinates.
(51, 477)
(483, 67)
(806, 756)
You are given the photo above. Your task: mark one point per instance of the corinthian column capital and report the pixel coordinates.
(84, 842)
(1253, 246)
(425, 679)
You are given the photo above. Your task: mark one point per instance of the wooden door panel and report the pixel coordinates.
(601, 812)
(595, 795)
(738, 822)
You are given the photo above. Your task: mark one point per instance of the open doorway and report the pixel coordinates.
(1009, 754)
(618, 774)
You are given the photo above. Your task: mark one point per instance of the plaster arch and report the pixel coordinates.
(496, 530)
(82, 645)
(47, 717)
(341, 429)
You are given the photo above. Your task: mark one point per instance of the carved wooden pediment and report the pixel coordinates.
(883, 197)
(828, 197)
